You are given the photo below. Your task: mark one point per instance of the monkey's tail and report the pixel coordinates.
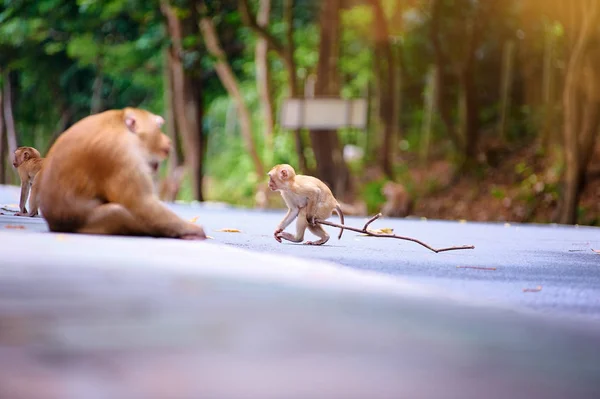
(341, 215)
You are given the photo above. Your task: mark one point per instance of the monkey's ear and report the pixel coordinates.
(284, 174)
(130, 121)
(159, 120)
(26, 155)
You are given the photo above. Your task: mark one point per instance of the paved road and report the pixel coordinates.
(112, 317)
(557, 258)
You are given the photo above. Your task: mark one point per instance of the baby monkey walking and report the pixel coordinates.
(307, 198)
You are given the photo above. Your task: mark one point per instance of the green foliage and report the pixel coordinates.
(371, 194)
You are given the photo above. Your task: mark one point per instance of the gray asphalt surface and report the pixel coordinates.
(238, 317)
(557, 258)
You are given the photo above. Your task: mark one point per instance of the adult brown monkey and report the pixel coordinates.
(97, 178)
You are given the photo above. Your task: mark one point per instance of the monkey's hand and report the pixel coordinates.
(196, 234)
(277, 234)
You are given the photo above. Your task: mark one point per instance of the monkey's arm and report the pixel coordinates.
(292, 213)
(24, 192)
(161, 221)
(151, 216)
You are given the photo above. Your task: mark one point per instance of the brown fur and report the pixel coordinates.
(307, 199)
(97, 178)
(28, 162)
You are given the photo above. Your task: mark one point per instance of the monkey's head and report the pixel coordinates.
(281, 177)
(23, 154)
(155, 144)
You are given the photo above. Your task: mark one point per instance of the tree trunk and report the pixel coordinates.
(286, 53)
(387, 84)
(470, 121)
(471, 111)
(428, 110)
(442, 84)
(293, 86)
(96, 101)
(263, 74)
(169, 106)
(66, 119)
(505, 87)
(582, 107)
(9, 121)
(229, 81)
(3, 143)
(331, 167)
(188, 118)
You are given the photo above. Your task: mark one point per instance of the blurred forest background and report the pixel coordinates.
(477, 109)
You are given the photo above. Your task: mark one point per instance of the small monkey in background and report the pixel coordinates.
(28, 162)
(308, 199)
(398, 202)
(97, 178)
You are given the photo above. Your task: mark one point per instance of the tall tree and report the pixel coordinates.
(9, 120)
(263, 72)
(285, 51)
(581, 99)
(2, 143)
(442, 62)
(187, 95)
(331, 167)
(230, 83)
(386, 75)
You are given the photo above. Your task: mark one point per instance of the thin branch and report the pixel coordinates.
(374, 218)
(250, 20)
(370, 233)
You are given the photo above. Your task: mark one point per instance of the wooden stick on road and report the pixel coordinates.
(370, 233)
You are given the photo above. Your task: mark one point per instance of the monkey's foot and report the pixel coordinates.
(22, 214)
(320, 242)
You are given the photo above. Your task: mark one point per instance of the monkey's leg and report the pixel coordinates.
(301, 224)
(320, 232)
(33, 200)
(112, 219)
(23, 200)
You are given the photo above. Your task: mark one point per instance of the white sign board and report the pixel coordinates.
(323, 113)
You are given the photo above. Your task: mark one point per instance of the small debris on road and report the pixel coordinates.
(476, 267)
(227, 230)
(14, 226)
(383, 230)
(536, 289)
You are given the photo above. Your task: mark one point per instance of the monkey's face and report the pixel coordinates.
(17, 161)
(21, 155)
(156, 144)
(158, 147)
(272, 183)
(280, 177)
